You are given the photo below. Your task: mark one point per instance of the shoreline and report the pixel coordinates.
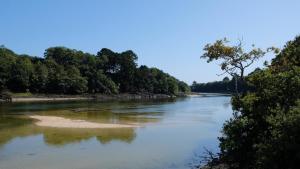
(61, 122)
(96, 97)
(45, 99)
(101, 97)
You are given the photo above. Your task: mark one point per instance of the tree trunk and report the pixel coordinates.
(236, 85)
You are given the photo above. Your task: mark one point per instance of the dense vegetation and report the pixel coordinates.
(68, 71)
(264, 132)
(225, 86)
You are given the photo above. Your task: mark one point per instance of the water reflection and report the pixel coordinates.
(172, 132)
(22, 127)
(16, 123)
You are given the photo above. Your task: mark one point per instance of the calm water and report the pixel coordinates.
(173, 135)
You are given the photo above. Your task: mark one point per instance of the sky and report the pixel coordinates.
(167, 34)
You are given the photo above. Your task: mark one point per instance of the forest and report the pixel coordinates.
(69, 71)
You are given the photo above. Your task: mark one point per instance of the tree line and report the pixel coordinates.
(225, 86)
(69, 71)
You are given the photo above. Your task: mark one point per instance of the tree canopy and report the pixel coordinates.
(234, 59)
(265, 129)
(69, 71)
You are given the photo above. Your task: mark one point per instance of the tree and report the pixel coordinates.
(20, 75)
(172, 86)
(160, 83)
(127, 71)
(56, 75)
(144, 80)
(39, 78)
(120, 67)
(103, 84)
(234, 60)
(74, 82)
(183, 87)
(63, 55)
(266, 130)
(7, 60)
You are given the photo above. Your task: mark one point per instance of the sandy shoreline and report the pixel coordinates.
(60, 122)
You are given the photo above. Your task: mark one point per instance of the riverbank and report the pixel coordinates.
(99, 97)
(60, 122)
(43, 99)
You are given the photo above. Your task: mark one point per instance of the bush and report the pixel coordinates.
(265, 130)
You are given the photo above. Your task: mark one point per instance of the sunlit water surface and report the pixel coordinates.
(173, 134)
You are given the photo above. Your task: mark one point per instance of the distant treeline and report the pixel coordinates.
(225, 86)
(69, 71)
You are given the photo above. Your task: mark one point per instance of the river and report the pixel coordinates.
(172, 134)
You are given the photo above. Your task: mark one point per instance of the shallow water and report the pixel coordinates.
(172, 135)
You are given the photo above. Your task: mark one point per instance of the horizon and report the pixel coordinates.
(169, 35)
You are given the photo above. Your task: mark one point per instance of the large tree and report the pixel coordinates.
(234, 59)
(120, 66)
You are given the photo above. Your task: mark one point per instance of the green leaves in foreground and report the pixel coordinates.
(265, 130)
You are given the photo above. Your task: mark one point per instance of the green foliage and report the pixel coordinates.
(56, 74)
(64, 56)
(224, 86)
(289, 56)
(265, 130)
(121, 67)
(7, 60)
(234, 59)
(145, 80)
(74, 82)
(39, 78)
(183, 87)
(103, 84)
(69, 71)
(172, 86)
(21, 72)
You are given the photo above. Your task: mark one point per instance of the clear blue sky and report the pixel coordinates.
(168, 34)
